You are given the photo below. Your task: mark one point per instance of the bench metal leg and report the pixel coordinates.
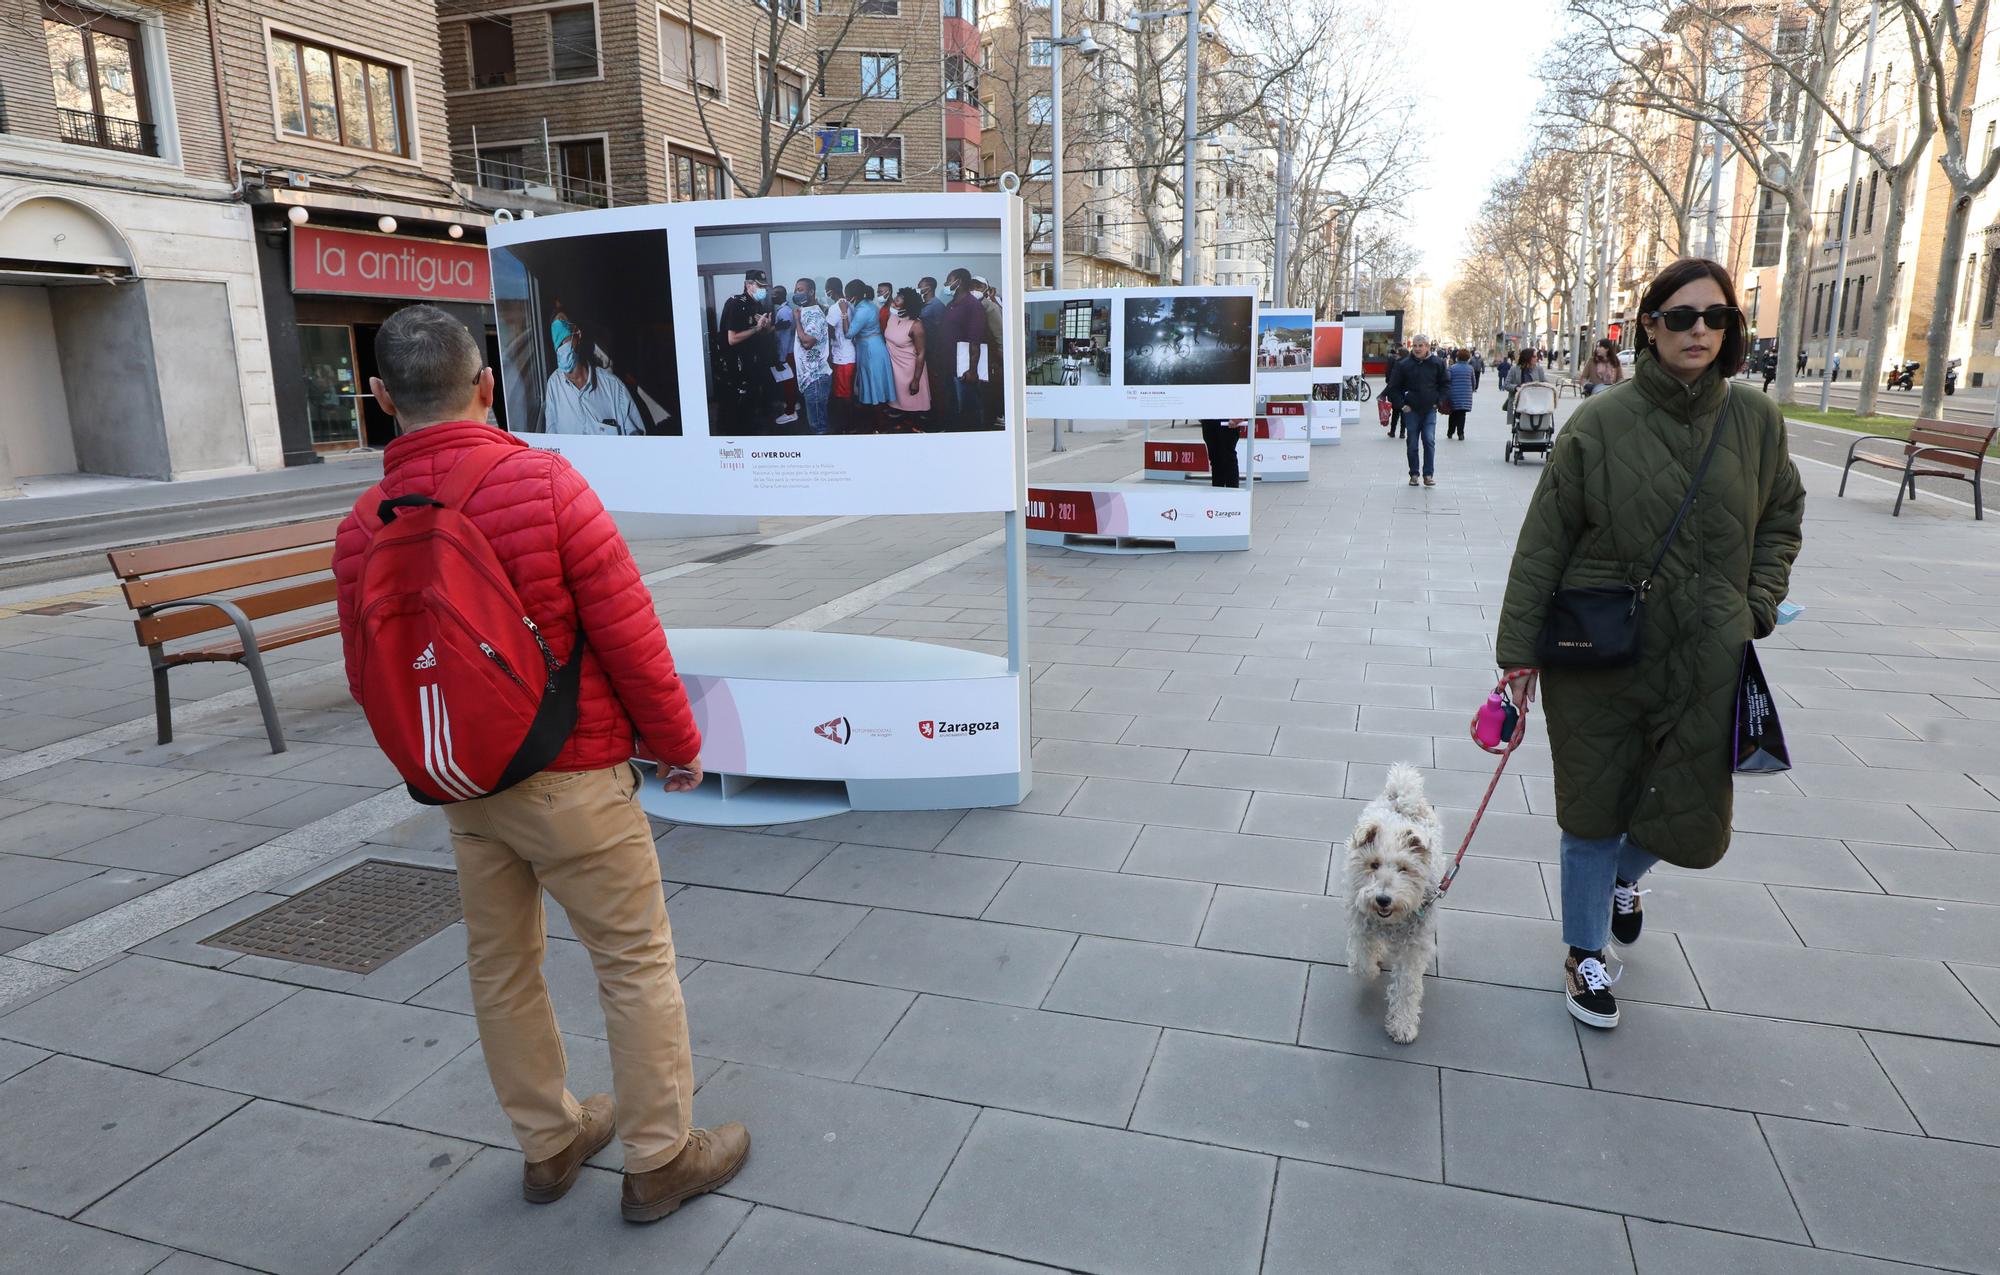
(1845, 470)
(163, 704)
(1978, 501)
(253, 660)
(1909, 485)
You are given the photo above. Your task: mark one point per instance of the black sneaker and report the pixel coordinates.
(1588, 986)
(1413, 480)
(1627, 918)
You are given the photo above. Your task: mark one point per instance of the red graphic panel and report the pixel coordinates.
(1326, 345)
(1064, 511)
(1185, 458)
(357, 263)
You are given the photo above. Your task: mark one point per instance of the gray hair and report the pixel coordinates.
(429, 362)
(1421, 339)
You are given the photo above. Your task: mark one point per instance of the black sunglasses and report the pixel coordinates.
(1717, 318)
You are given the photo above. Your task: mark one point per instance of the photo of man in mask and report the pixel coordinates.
(581, 397)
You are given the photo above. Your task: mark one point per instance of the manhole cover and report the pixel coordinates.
(358, 921)
(60, 608)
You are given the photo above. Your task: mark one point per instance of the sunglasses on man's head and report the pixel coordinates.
(1717, 318)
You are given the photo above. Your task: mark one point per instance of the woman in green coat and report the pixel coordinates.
(1643, 752)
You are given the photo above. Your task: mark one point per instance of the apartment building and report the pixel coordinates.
(132, 334)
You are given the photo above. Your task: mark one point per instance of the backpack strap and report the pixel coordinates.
(459, 483)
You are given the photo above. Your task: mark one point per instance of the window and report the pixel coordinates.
(879, 8)
(573, 43)
(1040, 53)
(98, 64)
(1971, 276)
(1846, 295)
(964, 10)
(1041, 108)
(1043, 275)
(1770, 239)
(1989, 142)
(492, 41)
(961, 79)
(1040, 168)
(793, 11)
(697, 176)
(1854, 209)
(961, 160)
(1041, 226)
(1874, 181)
(881, 159)
(690, 56)
(881, 75)
(1986, 291)
(1860, 292)
(503, 167)
(342, 98)
(1819, 298)
(788, 103)
(581, 176)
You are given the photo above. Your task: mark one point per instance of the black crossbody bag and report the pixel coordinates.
(1599, 626)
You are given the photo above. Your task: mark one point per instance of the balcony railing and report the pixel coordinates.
(108, 132)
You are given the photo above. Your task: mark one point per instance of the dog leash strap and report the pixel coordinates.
(1520, 733)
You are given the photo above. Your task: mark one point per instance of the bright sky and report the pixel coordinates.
(1474, 71)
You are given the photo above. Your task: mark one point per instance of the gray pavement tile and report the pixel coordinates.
(1821, 862)
(766, 930)
(1263, 774)
(15, 1059)
(1321, 1211)
(1983, 981)
(1299, 927)
(1283, 814)
(1663, 1249)
(1201, 990)
(245, 755)
(11, 939)
(1486, 947)
(1060, 1065)
(1954, 1088)
(1505, 835)
(1462, 789)
(457, 1100)
(914, 880)
(1102, 1200)
(1026, 838)
(1049, 795)
(1109, 676)
(900, 829)
(361, 766)
(35, 1242)
(1304, 1104)
(1884, 821)
(1850, 989)
(1054, 723)
(1216, 809)
(1675, 1162)
(1511, 887)
(1156, 909)
(316, 802)
(219, 1194)
(478, 1222)
(24, 878)
(173, 844)
(1915, 787)
(24, 731)
(10, 806)
(76, 1129)
(1887, 1195)
(849, 1152)
(566, 969)
(1270, 714)
(1134, 703)
(145, 751)
(195, 1264)
(774, 1242)
(1507, 1031)
(1217, 735)
(1932, 874)
(1347, 745)
(1891, 926)
(345, 1054)
(736, 860)
(1249, 681)
(142, 1013)
(1977, 830)
(816, 1026)
(1191, 854)
(86, 898)
(91, 783)
(1010, 964)
(425, 830)
(1693, 903)
(1746, 1064)
(1118, 761)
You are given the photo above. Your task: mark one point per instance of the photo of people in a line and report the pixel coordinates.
(1188, 340)
(852, 328)
(1069, 342)
(1282, 342)
(587, 335)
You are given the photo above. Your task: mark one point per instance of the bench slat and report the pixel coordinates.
(267, 640)
(185, 622)
(128, 564)
(154, 590)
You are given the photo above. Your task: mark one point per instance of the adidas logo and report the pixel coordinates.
(428, 659)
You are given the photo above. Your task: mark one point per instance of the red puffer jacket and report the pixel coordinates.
(571, 568)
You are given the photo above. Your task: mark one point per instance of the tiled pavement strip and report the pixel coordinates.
(1107, 1031)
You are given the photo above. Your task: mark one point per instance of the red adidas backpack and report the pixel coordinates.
(443, 636)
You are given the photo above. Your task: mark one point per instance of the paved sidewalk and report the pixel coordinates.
(1107, 1030)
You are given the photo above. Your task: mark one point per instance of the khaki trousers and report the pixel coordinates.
(581, 836)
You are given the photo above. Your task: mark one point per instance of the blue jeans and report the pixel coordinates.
(813, 394)
(1422, 425)
(1590, 865)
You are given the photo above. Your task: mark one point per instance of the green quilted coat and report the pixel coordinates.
(1646, 750)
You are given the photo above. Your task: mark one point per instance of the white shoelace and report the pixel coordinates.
(1595, 976)
(1625, 899)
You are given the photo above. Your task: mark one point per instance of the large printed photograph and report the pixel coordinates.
(1284, 341)
(852, 327)
(1069, 341)
(1188, 340)
(589, 330)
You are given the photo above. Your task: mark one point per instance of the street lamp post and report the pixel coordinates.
(1087, 46)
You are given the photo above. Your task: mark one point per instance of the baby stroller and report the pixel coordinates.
(1531, 421)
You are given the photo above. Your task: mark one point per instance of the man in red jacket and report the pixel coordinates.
(575, 829)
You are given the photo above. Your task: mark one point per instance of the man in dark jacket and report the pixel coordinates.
(1417, 384)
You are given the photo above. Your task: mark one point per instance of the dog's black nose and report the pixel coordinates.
(1383, 900)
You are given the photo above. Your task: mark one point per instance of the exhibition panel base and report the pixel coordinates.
(799, 725)
(1135, 518)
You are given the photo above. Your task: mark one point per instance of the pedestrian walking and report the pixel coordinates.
(1504, 368)
(1643, 749)
(1769, 366)
(1418, 383)
(1527, 368)
(574, 827)
(1478, 369)
(1220, 437)
(1463, 380)
(1603, 370)
(1802, 362)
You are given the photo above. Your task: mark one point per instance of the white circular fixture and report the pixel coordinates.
(455, 230)
(297, 215)
(386, 224)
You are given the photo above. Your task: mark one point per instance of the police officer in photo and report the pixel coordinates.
(745, 356)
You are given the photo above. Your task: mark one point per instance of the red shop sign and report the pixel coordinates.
(357, 263)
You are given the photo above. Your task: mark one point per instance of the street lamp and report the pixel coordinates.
(1193, 15)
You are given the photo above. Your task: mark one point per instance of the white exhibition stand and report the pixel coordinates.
(1138, 518)
(1275, 460)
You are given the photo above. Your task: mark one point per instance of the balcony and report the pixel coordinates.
(107, 132)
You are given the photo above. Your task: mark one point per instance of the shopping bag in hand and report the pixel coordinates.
(1760, 740)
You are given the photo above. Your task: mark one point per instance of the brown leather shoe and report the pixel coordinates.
(710, 1158)
(546, 1181)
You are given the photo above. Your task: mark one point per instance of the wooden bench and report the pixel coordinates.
(1935, 449)
(177, 590)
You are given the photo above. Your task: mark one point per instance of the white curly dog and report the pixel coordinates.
(1393, 862)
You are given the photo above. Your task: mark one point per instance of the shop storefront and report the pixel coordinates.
(330, 282)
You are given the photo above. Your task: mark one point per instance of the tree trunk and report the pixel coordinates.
(1938, 344)
(1875, 357)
